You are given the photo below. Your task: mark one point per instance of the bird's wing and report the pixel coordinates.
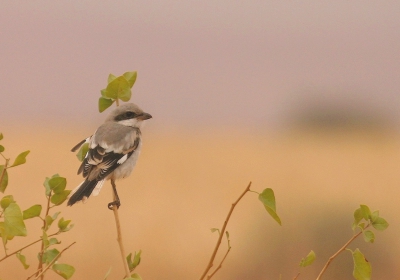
(107, 153)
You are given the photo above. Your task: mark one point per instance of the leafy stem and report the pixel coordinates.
(211, 261)
(339, 251)
(40, 266)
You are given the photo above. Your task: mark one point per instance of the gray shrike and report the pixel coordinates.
(113, 151)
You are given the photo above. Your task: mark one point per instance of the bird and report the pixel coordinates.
(113, 152)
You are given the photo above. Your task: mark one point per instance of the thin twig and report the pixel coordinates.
(211, 262)
(41, 274)
(119, 237)
(30, 244)
(337, 253)
(297, 276)
(220, 264)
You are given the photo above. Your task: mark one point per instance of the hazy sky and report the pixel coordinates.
(226, 62)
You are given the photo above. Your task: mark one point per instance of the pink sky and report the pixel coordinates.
(229, 62)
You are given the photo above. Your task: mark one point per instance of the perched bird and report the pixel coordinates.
(113, 151)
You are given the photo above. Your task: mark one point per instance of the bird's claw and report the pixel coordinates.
(116, 203)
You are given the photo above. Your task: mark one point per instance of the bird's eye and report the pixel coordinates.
(129, 115)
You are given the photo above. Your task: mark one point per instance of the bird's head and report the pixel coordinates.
(128, 114)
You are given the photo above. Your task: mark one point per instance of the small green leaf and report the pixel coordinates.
(48, 221)
(374, 215)
(64, 270)
(134, 276)
(104, 103)
(57, 184)
(31, 212)
(2, 148)
(267, 198)
(357, 218)
(380, 223)
(22, 259)
(362, 268)
(107, 274)
(215, 229)
(227, 235)
(63, 224)
(308, 260)
(53, 241)
(6, 200)
(132, 264)
(59, 198)
(130, 77)
(21, 159)
(49, 255)
(111, 78)
(1, 136)
(4, 179)
(369, 236)
(82, 152)
(119, 89)
(103, 93)
(13, 222)
(365, 212)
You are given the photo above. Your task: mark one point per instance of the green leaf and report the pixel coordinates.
(380, 223)
(134, 276)
(59, 198)
(63, 224)
(22, 259)
(130, 77)
(365, 212)
(6, 200)
(215, 229)
(21, 159)
(267, 198)
(362, 268)
(82, 152)
(49, 255)
(119, 89)
(53, 241)
(374, 215)
(111, 78)
(48, 221)
(357, 218)
(31, 212)
(107, 274)
(13, 221)
(103, 93)
(308, 260)
(4, 179)
(57, 184)
(1, 136)
(64, 270)
(2, 148)
(104, 103)
(132, 264)
(369, 236)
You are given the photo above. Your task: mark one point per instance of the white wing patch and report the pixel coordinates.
(123, 159)
(98, 187)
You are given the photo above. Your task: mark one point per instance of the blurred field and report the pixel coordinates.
(184, 184)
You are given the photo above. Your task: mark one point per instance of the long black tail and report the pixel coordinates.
(84, 191)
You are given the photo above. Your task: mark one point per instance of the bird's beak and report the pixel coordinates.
(144, 116)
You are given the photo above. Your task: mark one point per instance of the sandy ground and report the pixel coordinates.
(184, 184)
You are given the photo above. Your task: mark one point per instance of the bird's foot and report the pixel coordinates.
(113, 204)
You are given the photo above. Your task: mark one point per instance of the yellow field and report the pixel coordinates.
(184, 184)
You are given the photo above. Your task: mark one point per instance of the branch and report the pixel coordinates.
(337, 253)
(50, 264)
(220, 264)
(210, 263)
(19, 250)
(119, 238)
(40, 266)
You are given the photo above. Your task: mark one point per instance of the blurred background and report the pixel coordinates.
(298, 96)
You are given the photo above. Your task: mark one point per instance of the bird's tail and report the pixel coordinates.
(84, 190)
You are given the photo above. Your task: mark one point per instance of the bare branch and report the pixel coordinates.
(211, 262)
(220, 264)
